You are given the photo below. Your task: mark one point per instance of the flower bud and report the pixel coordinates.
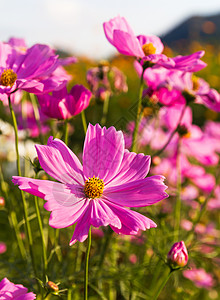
(53, 287)
(2, 202)
(178, 255)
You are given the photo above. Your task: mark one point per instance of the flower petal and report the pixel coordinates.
(131, 220)
(138, 193)
(103, 152)
(60, 162)
(133, 167)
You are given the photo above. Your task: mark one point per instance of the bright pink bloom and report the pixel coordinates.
(64, 105)
(9, 290)
(147, 48)
(97, 193)
(36, 70)
(214, 203)
(200, 278)
(178, 255)
(3, 247)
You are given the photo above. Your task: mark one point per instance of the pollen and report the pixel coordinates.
(149, 49)
(195, 81)
(94, 187)
(8, 77)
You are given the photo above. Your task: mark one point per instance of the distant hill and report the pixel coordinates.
(203, 29)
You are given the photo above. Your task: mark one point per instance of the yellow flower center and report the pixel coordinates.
(195, 81)
(8, 77)
(149, 49)
(94, 187)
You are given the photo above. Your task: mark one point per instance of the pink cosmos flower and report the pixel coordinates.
(200, 278)
(35, 70)
(9, 290)
(64, 105)
(97, 193)
(147, 48)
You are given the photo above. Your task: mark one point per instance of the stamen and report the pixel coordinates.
(149, 49)
(8, 77)
(94, 187)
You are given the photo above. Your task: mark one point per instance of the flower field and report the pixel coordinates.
(109, 171)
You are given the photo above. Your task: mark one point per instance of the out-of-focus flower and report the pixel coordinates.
(53, 287)
(178, 255)
(27, 121)
(200, 278)
(133, 258)
(3, 247)
(64, 105)
(105, 80)
(9, 290)
(2, 201)
(97, 194)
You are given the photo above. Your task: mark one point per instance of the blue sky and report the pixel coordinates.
(76, 25)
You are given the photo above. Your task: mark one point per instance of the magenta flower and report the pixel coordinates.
(64, 105)
(147, 48)
(178, 255)
(97, 193)
(200, 278)
(9, 290)
(30, 71)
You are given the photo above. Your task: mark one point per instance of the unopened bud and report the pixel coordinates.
(178, 255)
(2, 202)
(53, 287)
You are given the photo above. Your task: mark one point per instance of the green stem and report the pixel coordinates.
(83, 116)
(139, 113)
(105, 111)
(165, 279)
(12, 217)
(66, 132)
(27, 224)
(37, 116)
(171, 135)
(86, 270)
(44, 250)
(177, 211)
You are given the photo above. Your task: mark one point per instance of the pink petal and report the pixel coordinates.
(119, 23)
(103, 152)
(102, 215)
(138, 193)
(127, 44)
(131, 220)
(60, 162)
(133, 167)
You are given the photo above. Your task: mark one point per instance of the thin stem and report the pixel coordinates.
(171, 135)
(12, 217)
(177, 211)
(105, 111)
(83, 116)
(66, 132)
(86, 270)
(44, 250)
(165, 279)
(27, 224)
(37, 116)
(138, 117)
